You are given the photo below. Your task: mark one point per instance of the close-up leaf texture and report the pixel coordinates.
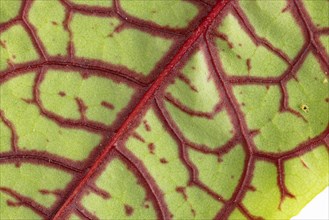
(162, 109)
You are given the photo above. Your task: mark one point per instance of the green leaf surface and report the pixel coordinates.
(167, 109)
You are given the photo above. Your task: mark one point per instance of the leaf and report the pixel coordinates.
(162, 109)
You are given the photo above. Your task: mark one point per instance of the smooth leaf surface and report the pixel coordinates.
(168, 109)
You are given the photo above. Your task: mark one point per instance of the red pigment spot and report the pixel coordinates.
(138, 137)
(163, 160)
(251, 188)
(82, 108)
(327, 100)
(129, 210)
(54, 23)
(187, 81)
(248, 62)
(117, 29)
(171, 81)
(182, 190)
(147, 126)
(225, 38)
(14, 204)
(304, 164)
(84, 75)
(3, 44)
(193, 212)
(138, 182)
(18, 164)
(208, 77)
(10, 63)
(104, 194)
(53, 192)
(285, 8)
(28, 101)
(61, 93)
(151, 148)
(107, 105)
(255, 132)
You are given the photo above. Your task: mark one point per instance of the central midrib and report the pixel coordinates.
(139, 107)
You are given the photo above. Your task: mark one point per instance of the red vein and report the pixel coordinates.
(99, 191)
(216, 109)
(311, 31)
(258, 40)
(275, 158)
(91, 126)
(81, 66)
(87, 9)
(284, 103)
(203, 2)
(34, 156)
(284, 192)
(187, 81)
(297, 151)
(14, 20)
(153, 190)
(324, 31)
(249, 145)
(246, 213)
(31, 31)
(26, 201)
(66, 25)
(289, 73)
(85, 213)
(194, 174)
(140, 23)
(139, 107)
(11, 126)
(220, 150)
